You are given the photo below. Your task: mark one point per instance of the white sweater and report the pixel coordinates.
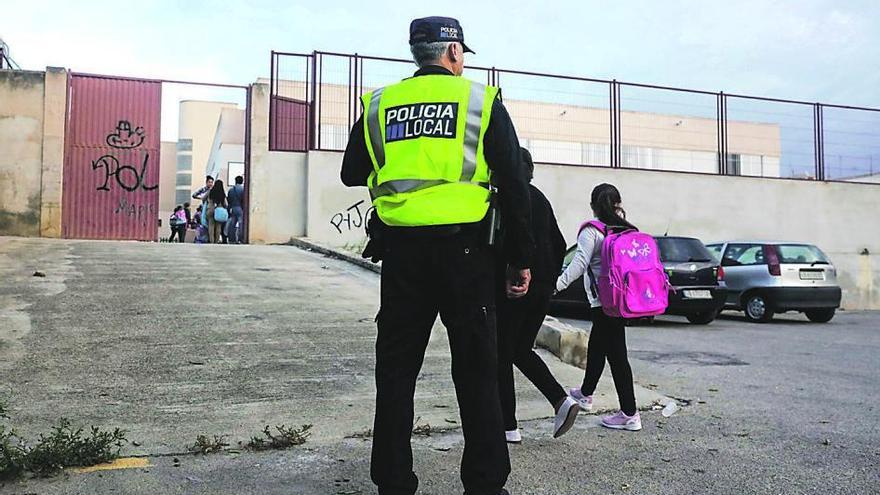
(589, 247)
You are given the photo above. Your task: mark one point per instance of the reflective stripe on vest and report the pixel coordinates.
(375, 129)
(473, 120)
(472, 131)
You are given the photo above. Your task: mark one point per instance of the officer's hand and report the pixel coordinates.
(518, 282)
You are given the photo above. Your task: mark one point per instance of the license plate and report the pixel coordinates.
(697, 294)
(812, 275)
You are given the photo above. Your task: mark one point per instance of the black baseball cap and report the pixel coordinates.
(431, 29)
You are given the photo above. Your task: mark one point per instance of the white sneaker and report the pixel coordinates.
(620, 421)
(584, 401)
(513, 436)
(565, 417)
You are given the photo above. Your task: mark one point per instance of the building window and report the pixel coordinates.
(184, 163)
(184, 179)
(185, 145)
(734, 164)
(182, 196)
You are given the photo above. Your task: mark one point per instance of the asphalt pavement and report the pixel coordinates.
(170, 341)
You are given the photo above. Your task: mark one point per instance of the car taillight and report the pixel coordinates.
(772, 258)
(720, 273)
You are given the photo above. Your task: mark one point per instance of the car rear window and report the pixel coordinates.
(715, 250)
(800, 254)
(743, 254)
(676, 250)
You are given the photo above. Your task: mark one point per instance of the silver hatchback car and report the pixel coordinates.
(764, 278)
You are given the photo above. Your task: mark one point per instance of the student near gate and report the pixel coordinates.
(428, 148)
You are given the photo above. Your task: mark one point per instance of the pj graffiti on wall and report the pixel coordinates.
(351, 218)
(127, 176)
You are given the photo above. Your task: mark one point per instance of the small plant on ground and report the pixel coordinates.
(67, 447)
(205, 445)
(11, 462)
(285, 438)
(11, 455)
(62, 447)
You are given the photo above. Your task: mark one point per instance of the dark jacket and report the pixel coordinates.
(549, 242)
(502, 151)
(235, 196)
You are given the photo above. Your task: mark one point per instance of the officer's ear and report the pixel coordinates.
(455, 52)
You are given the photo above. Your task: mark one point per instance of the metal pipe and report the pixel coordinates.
(318, 84)
(272, 75)
(166, 81)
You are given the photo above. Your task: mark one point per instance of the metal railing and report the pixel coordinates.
(580, 121)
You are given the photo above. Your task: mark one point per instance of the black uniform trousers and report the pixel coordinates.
(518, 323)
(421, 277)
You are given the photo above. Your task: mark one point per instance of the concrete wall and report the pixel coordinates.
(715, 208)
(278, 181)
(336, 213)
(711, 208)
(54, 120)
(21, 151)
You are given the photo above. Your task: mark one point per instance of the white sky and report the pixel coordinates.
(814, 50)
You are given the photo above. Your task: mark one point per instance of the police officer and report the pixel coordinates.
(427, 148)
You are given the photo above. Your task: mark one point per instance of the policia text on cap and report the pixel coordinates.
(427, 148)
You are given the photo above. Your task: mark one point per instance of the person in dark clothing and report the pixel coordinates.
(235, 198)
(439, 268)
(520, 319)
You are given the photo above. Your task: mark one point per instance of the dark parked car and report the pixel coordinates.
(698, 291)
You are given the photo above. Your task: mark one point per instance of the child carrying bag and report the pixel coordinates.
(632, 282)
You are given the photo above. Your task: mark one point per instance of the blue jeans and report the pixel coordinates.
(235, 224)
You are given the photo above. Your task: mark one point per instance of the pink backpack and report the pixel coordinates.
(632, 283)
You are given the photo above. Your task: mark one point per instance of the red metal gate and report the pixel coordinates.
(111, 159)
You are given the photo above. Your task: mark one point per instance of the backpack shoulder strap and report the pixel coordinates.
(596, 224)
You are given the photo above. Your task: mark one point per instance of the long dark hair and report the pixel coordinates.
(605, 201)
(217, 194)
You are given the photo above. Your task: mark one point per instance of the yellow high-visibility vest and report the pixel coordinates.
(425, 139)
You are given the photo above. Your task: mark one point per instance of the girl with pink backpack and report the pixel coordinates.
(620, 267)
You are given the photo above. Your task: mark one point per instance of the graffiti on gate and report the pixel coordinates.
(127, 176)
(134, 210)
(352, 217)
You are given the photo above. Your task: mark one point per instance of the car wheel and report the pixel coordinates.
(703, 318)
(757, 309)
(820, 315)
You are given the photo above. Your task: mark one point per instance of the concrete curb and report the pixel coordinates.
(308, 245)
(566, 342)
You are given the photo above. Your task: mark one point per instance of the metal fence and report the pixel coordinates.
(581, 121)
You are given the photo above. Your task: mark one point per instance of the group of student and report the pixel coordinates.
(520, 319)
(220, 217)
